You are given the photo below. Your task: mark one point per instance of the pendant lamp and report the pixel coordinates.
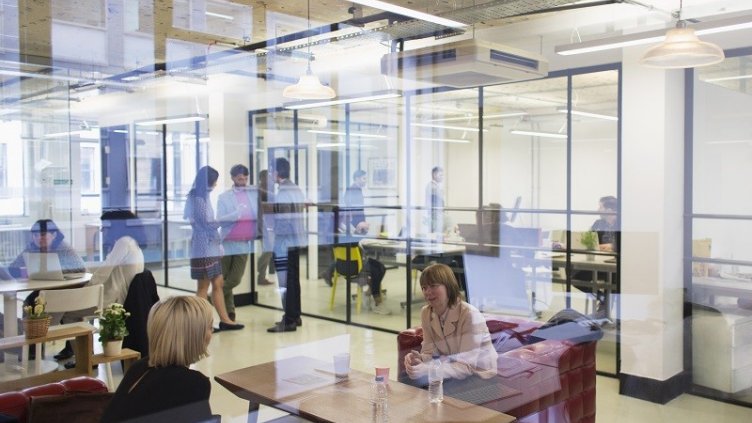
(309, 87)
(682, 49)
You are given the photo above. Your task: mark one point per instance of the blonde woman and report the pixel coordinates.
(162, 387)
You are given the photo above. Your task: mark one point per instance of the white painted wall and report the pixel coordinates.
(652, 236)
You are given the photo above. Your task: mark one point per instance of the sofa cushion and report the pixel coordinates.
(79, 407)
(14, 404)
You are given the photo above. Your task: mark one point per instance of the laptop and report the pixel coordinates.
(43, 266)
(494, 285)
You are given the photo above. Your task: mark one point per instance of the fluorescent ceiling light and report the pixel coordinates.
(450, 140)
(587, 114)
(341, 100)
(120, 131)
(167, 121)
(87, 134)
(728, 78)
(410, 13)
(641, 38)
(538, 134)
(219, 15)
(352, 134)
(330, 144)
(458, 128)
(475, 117)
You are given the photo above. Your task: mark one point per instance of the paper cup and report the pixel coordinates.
(341, 365)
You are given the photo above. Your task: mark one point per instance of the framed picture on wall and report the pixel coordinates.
(382, 173)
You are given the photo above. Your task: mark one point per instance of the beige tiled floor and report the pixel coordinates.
(369, 348)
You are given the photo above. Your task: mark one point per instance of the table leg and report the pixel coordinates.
(10, 310)
(253, 411)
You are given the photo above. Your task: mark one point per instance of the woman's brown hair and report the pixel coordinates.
(442, 274)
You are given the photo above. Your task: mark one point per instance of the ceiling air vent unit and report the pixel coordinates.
(462, 64)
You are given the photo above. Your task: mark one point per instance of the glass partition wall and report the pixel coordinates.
(719, 273)
(507, 177)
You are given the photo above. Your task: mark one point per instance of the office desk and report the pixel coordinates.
(10, 289)
(706, 289)
(599, 263)
(307, 387)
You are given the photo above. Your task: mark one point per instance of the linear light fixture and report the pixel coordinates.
(538, 134)
(450, 140)
(728, 78)
(587, 114)
(87, 134)
(648, 37)
(458, 128)
(342, 100)
(376, 4)
(220, 16)
(352, 134)
(475, 117)
(167, 121)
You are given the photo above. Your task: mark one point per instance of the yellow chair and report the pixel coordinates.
(349, 268)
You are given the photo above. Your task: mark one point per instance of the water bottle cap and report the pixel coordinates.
(436, 356)
(379, 378)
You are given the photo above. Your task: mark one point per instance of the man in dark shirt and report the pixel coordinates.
(606, 228)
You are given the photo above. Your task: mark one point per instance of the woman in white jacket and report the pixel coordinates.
(125, 261)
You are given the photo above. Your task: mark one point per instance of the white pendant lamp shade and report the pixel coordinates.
(682, 49)
(309, 88)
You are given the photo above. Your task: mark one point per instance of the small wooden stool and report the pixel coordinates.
(127, 355)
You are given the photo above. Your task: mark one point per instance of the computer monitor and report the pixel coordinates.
(494, 285)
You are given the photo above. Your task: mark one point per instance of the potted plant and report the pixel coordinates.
(37, 321)
(590, 241)
(112, 329)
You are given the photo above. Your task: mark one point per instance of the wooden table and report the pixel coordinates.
(307, 387)
(82, 346)
(9, 289)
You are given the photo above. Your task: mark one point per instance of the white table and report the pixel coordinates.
(10, 289)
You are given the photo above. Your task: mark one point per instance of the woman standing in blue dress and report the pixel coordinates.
(206, 247)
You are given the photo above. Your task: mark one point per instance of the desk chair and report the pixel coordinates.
(349, 268)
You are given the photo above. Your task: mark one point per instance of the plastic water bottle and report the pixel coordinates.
(380, 400)
(435, 381)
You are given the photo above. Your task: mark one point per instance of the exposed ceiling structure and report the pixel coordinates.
(273, 40)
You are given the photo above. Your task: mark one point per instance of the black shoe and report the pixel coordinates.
(283, 327)
(72, 364)
(230, 326)
(215, 330)
(64, 354)
(298, 322)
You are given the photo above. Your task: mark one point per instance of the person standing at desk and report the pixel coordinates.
(237, 213)
(206, 249)
(267, 245)
(286, 210)
(435, 200)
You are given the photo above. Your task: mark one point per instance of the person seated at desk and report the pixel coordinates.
(355, 222)
(455, 330)
(607, 231)
(47, 238)
(162, 387)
